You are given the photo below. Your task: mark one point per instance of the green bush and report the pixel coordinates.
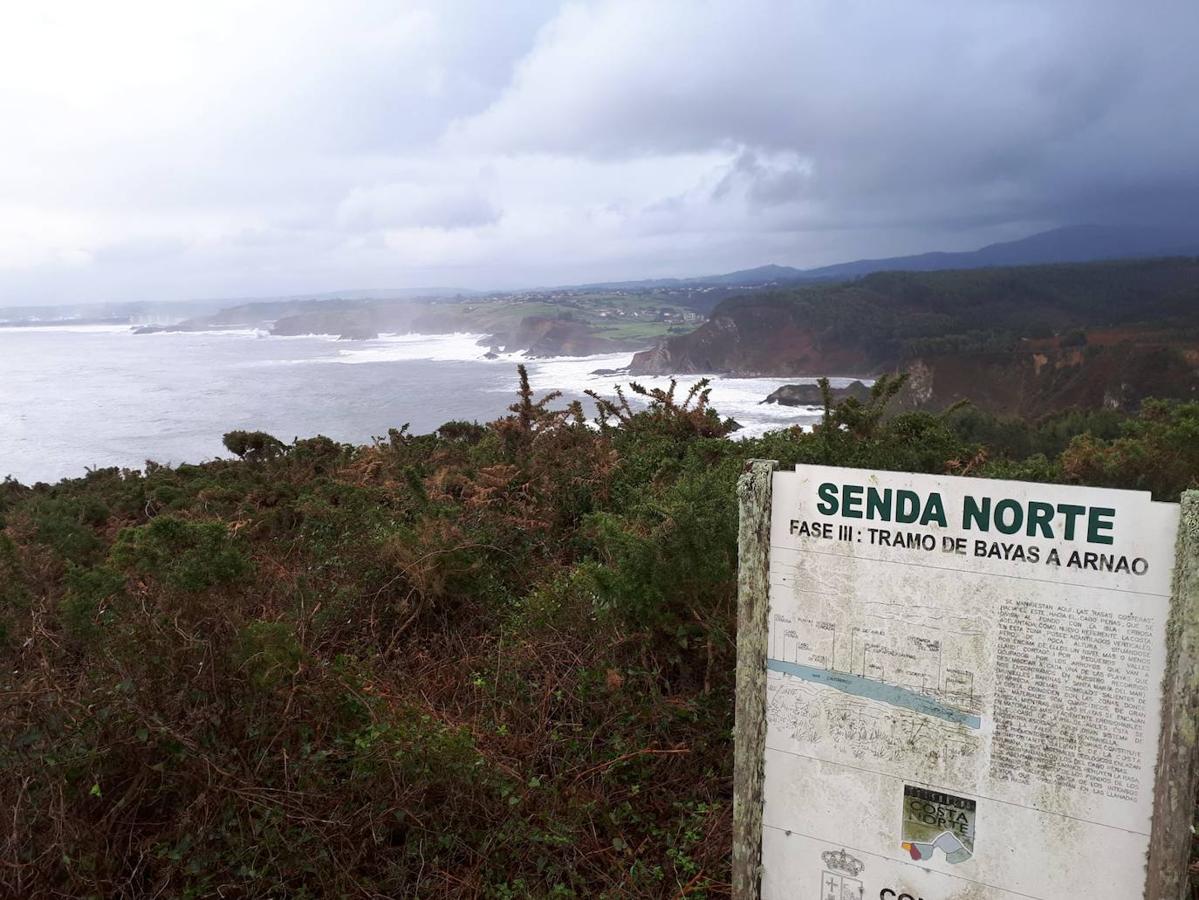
(62, 525)
(185, 555)
(253, 446)
(87, 604)
(1157, 451)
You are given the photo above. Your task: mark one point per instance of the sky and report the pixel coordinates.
(160, 151)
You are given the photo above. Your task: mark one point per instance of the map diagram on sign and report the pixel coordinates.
(912, 663)
(878, 661)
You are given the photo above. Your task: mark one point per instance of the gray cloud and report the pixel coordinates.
(392, 206)
(171, 152)
(764, 181)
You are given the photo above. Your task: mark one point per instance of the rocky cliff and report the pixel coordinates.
(812, 395)
(1018, 340)
(1042, 379)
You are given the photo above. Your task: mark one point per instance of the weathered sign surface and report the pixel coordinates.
(963, 687)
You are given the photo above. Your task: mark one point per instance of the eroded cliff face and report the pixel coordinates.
(711, 348)
(1039, 380)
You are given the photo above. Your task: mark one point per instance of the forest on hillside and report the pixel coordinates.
(884, 321)
(895, 313)
(491, 661)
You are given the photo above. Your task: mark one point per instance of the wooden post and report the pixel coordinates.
(749, 734)
(1178, 761)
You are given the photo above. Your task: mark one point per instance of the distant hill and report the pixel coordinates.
(1075, 243)
(758, 275)
(1079, 243)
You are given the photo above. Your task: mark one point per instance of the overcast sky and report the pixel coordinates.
(165, 150)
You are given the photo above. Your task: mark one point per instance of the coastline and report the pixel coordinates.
(170, 396)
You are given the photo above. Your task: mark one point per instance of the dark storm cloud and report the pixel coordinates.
(307, 146)
(907, 112)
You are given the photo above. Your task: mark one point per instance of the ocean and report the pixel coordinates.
(73, 397)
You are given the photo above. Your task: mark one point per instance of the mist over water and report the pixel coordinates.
(95, 396)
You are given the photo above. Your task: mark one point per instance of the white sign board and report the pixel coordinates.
(964, 685)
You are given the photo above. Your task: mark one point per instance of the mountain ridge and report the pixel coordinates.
(1065, 244)
(1073, 243)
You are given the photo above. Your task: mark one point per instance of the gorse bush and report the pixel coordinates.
(254, 446)
(1157, 451)
(492, 661)
(88, 598)
(187, 556)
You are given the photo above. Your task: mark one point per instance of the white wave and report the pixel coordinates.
(738, 398)
(213, 332)
(459, 347)
(267, 336)
(61, 327)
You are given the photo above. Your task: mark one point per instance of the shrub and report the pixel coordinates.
(185, 555)
(253, 446)
(86, 605)
(61, 525)
(1158, 451)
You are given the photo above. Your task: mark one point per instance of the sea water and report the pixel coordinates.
(73, 397)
